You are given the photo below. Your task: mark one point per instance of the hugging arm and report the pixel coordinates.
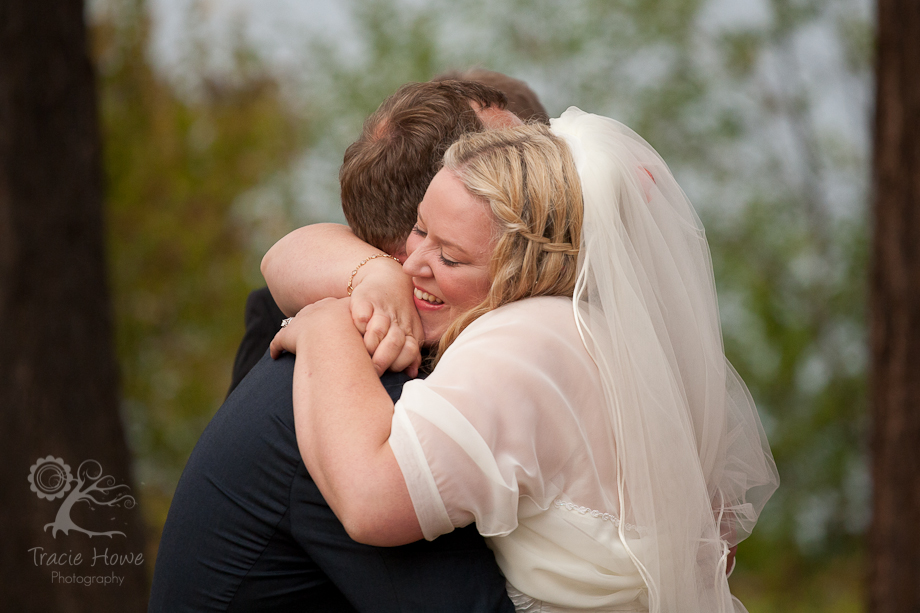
(312, 263)
(342, 417)
(317, 261)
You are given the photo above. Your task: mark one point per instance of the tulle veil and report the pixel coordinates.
(694, 465)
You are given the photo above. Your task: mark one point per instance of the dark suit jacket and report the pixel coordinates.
(263, 320)
(248, 530)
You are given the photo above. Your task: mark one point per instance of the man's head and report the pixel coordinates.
(522, 101)
(387, 170)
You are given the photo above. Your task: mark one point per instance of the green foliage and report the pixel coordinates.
(178, 254)
(794, 329)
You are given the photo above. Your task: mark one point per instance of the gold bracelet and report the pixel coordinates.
(363, 262)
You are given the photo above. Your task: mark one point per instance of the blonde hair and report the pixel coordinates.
(528, 177)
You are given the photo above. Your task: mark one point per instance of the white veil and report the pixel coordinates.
(694, 465)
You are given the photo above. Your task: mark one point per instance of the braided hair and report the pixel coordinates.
(527, 176)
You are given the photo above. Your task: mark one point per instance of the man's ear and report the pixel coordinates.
(399, 253)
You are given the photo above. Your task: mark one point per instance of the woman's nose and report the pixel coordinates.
(415, 265)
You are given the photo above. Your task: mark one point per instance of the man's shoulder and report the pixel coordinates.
(268, 381)
(255, 424)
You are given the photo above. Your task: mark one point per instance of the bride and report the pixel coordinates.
(581, 411)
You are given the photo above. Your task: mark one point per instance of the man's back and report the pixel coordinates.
(248, 529)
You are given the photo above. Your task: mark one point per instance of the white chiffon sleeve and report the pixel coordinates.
(496, 421)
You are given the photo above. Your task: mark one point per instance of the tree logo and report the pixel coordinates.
(50, 479)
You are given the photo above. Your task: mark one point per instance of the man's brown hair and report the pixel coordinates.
(387, 170)
(522, 101)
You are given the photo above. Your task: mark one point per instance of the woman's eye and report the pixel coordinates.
(419, 231)
(447, 262)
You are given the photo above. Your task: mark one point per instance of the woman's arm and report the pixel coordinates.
(342, 416)
(317, 261)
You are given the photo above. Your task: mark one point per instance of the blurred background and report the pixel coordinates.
(224, 123)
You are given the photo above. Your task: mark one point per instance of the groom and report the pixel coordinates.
(248, 530)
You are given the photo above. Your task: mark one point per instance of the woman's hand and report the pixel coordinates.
(329, 314)
(318, 261)
(378, 310)
(384, 312)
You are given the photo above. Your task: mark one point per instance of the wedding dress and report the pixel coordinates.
(603, 443)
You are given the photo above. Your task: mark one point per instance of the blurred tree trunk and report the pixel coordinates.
(894, 572)
(58, 375)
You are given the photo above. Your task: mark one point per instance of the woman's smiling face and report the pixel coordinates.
(449, 251)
